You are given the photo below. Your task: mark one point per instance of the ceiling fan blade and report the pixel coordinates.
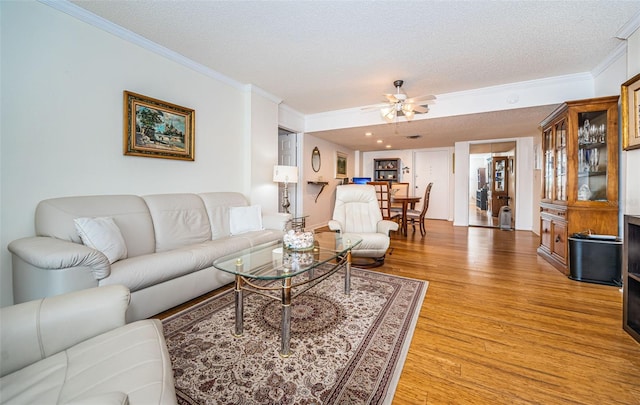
(420, 99)
(420, 109)
(392, 98)
(374, 107)
(377, 106)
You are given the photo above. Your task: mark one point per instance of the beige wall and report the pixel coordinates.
(62, 114)
(321, 211)
(631, 159)
(537, 183)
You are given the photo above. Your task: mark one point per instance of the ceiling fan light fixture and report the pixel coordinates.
(388, 113)
(400, 105)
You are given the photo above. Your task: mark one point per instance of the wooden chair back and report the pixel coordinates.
(383, 195)
(413, 216)
(425, 201)
(400, 190)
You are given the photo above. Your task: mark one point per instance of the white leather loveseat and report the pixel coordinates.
(161, 246)
(76, 349)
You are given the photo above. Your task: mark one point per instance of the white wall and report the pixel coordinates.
(405, 156)
(262, 143)
(321, 211)
(607, 83)
(525, 184)
(62, 121)
(460, 186)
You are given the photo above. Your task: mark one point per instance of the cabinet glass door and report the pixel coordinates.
(561, 160)
(548, 165)
(592, 156)
(499, 181)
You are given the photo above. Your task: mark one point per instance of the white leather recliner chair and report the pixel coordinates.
(75, 349)
(357, 211)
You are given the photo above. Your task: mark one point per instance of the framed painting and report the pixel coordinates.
(630, 101)
(341, 165)
(155, 128)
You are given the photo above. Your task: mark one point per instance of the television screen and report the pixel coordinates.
(361, 180)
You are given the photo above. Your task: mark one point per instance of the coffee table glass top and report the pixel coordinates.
(271, 261)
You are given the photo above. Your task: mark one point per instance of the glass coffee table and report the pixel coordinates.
(270, 261)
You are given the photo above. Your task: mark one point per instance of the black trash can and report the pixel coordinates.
(595, 259)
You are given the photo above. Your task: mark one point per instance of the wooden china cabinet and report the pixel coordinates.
(579, 175)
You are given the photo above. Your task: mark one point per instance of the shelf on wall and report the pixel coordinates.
(322, 184)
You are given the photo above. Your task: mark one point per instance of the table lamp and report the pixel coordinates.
(286, 175)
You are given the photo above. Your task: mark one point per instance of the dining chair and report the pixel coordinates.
(399, 190)
(383, 195)
(414, 216)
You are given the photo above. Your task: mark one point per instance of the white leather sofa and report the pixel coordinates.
(170, 242)
(76, 349)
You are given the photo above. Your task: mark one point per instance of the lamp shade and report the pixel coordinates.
(285, 174)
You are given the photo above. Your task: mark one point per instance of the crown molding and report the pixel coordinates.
(252, 88)
(290, 110)
(619, 52)
(129, 36)
(629, 27)
(519, 86)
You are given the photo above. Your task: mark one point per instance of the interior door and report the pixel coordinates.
(433, 167)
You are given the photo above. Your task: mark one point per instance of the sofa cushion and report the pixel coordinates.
(145, 271)
(102, 233)
(132, 359)
(178, 219)
(108, 398)
(260, 237)
(217, 205)
(245, 219)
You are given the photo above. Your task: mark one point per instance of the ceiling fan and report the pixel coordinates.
(399, 105)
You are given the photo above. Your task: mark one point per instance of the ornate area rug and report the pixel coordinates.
(346, 349)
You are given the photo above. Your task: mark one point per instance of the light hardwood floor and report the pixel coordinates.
(499, 325)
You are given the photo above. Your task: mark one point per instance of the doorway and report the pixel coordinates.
(287, 156)
(492, 184)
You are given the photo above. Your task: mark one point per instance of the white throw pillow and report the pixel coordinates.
(102, 233)
(245, 219)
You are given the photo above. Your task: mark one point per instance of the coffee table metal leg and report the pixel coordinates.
(347, 274)
(239, 307)
(285, 350)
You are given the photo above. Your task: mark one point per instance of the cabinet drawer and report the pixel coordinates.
(559, 233)
(545, 233)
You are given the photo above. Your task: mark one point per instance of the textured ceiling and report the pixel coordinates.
(327, 55)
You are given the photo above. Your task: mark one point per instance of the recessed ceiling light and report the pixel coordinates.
(379, 141)
(368, 134)
(388, 146)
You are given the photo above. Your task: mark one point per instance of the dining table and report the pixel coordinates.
(406, 201)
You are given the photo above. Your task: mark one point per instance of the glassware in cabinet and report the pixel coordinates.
(592, 156)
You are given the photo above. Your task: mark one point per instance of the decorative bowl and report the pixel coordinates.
(298, 241)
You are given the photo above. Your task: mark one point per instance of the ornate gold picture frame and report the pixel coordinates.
(630, 101)
(341, 165)
(155, 128)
